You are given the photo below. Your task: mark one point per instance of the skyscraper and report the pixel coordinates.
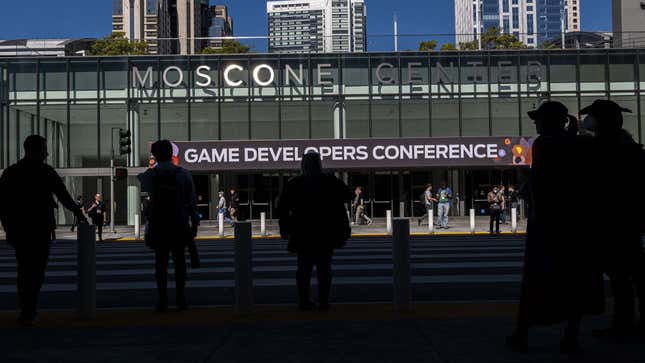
(168, 26)
(628, 22)
(221, 25)
(303, 26)
(532, 21)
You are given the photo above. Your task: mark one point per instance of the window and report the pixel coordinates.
(151, 7)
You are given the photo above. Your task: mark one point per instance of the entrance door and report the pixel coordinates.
(383, 193)
(202, 191)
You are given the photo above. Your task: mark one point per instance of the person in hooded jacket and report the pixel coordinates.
(314, 220)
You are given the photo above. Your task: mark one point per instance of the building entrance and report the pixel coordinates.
(395, 190)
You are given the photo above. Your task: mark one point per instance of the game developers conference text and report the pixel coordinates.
(354, 153)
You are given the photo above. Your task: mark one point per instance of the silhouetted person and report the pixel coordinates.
(172, 220)
(495, 199)
(96, 212)
(618, 157)
(80, 203)
(27, 214)
(560, 281)
(314, 220)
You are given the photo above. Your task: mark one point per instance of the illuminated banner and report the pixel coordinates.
(354, 153)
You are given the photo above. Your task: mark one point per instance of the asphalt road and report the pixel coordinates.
(447, 268)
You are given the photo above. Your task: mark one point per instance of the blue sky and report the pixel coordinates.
(91, 18)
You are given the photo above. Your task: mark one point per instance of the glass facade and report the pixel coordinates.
(77, 103)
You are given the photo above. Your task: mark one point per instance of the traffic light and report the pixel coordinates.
(124, 142)
(120, 173)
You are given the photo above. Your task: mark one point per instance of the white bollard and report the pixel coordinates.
(430, 222)
(137, 227)
(388, 221)
(86, 270)
(514, 220)
(263, 224)
(472, 221)
(401, 262)
(220, 222)
(243, 268)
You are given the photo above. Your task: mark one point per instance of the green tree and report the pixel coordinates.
(427, 46)
(493, 38)
(229, 46)
(447, 46)
(548, 45)
(118, 44)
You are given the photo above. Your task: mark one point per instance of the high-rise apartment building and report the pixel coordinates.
(168, 26)
(532, 21)
(315, 26)
(628, 22)
(221, 25)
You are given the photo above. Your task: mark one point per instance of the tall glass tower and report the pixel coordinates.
(532, 21)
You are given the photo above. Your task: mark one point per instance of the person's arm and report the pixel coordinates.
(191, 203)
(63, 196)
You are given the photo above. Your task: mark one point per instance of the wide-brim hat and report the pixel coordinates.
(604, 108)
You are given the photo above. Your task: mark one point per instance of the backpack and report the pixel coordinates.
(164, 208)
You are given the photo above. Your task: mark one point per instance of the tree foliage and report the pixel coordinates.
(548, 45)
(229, 46)
(118, 44)
(447, 46)
(493, 38)
(427, 46)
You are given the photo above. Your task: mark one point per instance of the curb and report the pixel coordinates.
(357, 235)
(266, 313)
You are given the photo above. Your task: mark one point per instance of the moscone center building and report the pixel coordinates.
(389, 122)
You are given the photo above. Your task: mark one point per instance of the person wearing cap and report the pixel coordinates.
(559, 283)
(619, 157)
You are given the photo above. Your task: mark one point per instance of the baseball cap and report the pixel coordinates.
(550, 109)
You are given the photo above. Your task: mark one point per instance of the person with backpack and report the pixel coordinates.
(314, 233)
(172, 220)
(428, 202)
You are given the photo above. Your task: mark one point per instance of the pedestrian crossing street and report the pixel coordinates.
(456, 268)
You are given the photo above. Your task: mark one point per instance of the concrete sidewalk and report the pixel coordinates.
(210, 229)
(348, 333)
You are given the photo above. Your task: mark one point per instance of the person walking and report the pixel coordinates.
(300, 224)
(359, 207)
(495, 200)
(172, 220)
(444, 196)
(234, 205)
(618, 157)
(428, 201)
(80, 202)
(28, 183)
(560, 282)
(221, 207)
(96, 211)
